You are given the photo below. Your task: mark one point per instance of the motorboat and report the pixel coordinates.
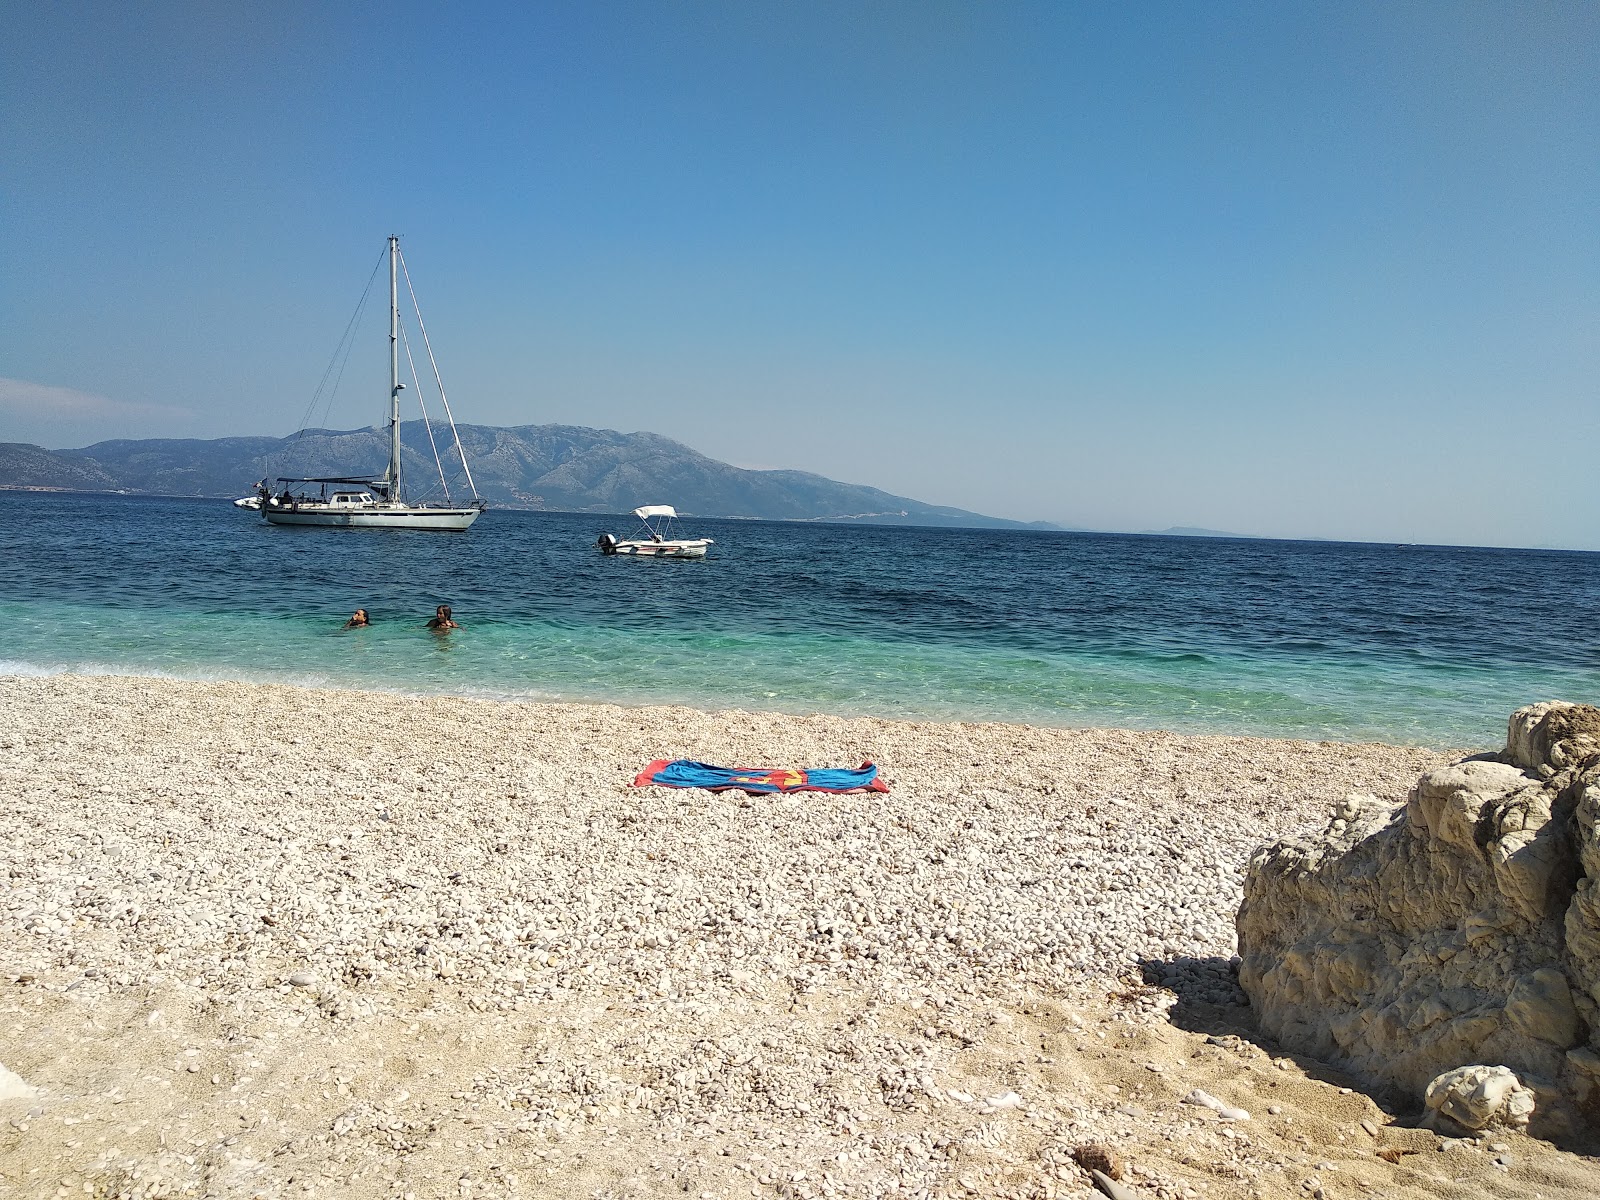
(655, 539)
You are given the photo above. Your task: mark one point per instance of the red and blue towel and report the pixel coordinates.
(686, 773)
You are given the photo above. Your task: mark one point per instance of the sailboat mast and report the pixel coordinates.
(394, 370)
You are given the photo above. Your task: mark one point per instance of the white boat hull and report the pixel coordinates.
(398, 517)
(690, 549)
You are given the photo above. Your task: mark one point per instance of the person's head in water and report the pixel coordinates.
(358, 619)
(442, 618)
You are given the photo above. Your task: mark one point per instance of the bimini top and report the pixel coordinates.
(656, 510)
(368, 479)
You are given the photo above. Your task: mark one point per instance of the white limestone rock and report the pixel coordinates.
(1461, 928)
(1541, 1006)
(1481, 1097)
(1205, 1099)
(12, 1087)
(1550, 737)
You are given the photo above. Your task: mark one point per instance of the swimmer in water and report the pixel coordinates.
(442, 622)
(358, 620)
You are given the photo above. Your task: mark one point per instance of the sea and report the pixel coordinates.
(1412, 645)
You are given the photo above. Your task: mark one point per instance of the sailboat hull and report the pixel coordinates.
(399, 517)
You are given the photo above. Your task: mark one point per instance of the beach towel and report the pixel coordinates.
(686, 773)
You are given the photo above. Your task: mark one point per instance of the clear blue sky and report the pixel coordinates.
(1325, 270)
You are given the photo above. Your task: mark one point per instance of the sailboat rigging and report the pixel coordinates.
(377, 501)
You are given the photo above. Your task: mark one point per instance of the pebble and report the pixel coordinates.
(303, 855)
(1097, 1156)
(1112, 1188)
(1205, 1099)
(1001, 1102)
(498, 846)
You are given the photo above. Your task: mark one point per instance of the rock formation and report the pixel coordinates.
(12, 1087)
(1461, 929)
(1480, 1097)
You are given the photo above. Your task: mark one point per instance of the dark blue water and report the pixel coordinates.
(1414, 644)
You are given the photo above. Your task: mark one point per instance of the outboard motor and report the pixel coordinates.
(607, 543)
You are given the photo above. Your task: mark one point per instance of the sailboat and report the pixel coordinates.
(377, 501)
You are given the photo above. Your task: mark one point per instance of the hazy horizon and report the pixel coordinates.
(1291, 272)
(1039, 524)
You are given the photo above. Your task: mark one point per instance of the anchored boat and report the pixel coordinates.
(655, 540)
(377, 501)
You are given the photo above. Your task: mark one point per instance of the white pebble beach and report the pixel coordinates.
(270, 941)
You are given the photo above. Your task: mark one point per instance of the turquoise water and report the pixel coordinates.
(1423, 645)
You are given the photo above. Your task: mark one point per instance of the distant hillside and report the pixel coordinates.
(565, 468)
(22, 465)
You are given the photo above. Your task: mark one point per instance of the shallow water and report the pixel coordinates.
(1410, 644)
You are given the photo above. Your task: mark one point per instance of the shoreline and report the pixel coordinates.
(311, 682)
(261, 939)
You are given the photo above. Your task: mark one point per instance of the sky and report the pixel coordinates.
(1294, 270)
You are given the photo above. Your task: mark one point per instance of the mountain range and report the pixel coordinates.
(566, 468)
